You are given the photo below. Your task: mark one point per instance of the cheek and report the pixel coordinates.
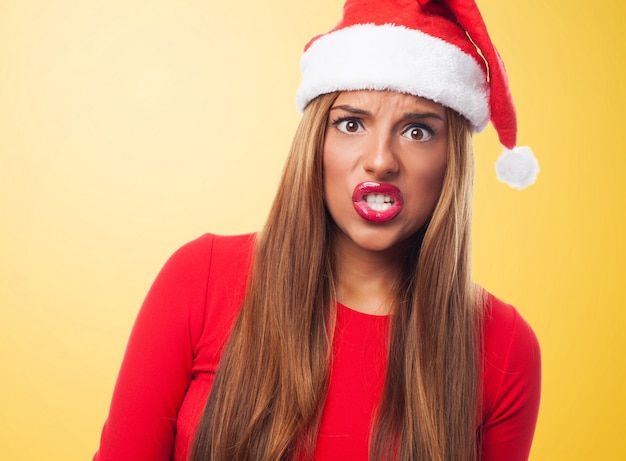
(336, 174)
(332, 168)
(436, 179)
(329, 175)
(437, 171)
(429, 184)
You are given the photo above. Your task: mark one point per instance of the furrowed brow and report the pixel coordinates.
(352, 110)
(423, 115)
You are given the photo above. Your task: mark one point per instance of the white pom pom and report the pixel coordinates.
(517, 167)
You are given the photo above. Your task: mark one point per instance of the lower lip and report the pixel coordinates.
(369, 214)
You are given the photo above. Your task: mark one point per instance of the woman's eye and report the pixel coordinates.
(348, 126)
(418, 133)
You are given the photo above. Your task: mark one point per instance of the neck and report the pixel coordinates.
(366, 280)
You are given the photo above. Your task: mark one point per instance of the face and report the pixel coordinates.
(384, 161)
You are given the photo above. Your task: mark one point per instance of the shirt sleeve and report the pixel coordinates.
(512, 384)
(156, 368)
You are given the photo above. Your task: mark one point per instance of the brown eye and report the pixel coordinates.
(352, 126)
(418, 133)
(349, 125)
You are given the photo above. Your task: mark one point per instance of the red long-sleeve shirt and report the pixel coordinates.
(183, 325)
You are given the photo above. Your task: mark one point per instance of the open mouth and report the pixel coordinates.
(376, 202)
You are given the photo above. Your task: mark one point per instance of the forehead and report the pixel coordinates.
(373, 101)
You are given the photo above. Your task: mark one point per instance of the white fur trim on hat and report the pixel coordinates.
(389, 57)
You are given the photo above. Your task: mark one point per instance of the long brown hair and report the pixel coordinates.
(430, 404)
(269, 391)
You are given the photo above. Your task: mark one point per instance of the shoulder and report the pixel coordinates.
(170, 347)
(199, 267)
(216, 248)
(511, 386)
(210, 253)
(202, 284)
(507, 335)
(511, 359)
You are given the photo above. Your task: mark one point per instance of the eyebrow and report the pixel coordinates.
(409, 115)
(352, 110)
(421, 115)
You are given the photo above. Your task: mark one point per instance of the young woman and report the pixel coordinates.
(349, 327)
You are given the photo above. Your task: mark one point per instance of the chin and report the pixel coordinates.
(376, 240)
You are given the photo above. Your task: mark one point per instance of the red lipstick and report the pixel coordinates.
(377, 202)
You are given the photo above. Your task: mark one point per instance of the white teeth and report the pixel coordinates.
(379, 202)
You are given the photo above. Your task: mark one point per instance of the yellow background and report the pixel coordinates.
(130, 127)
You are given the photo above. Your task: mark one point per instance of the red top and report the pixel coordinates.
(179, 334)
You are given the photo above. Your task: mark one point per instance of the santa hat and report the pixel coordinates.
(437, 49)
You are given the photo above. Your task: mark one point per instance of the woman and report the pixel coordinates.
(348, 328)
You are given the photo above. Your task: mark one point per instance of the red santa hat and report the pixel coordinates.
(436, 49)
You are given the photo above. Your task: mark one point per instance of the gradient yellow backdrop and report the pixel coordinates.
(130, 127)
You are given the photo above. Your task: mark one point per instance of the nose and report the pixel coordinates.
(380, 159)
